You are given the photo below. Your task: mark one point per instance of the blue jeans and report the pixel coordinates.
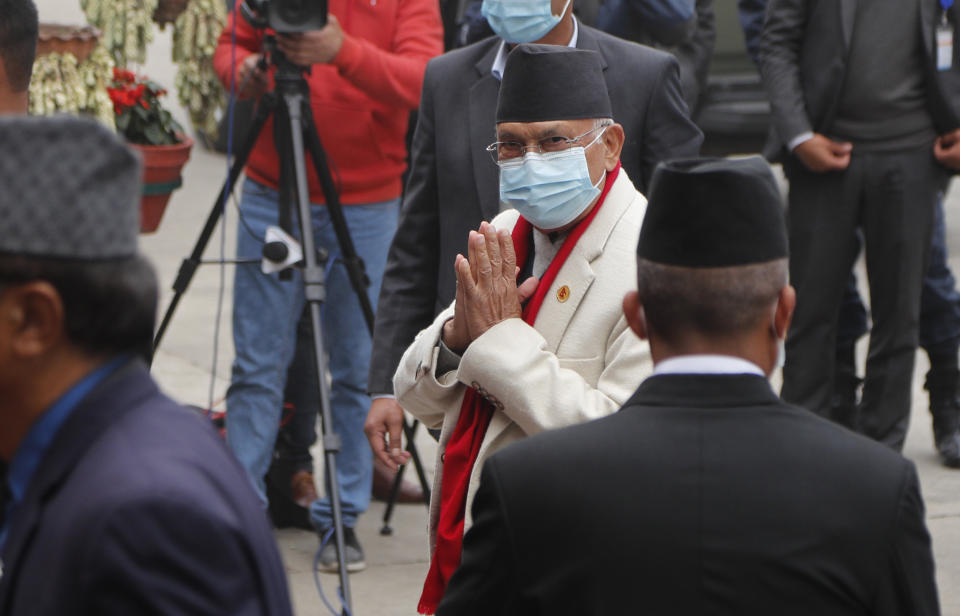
(265, 315)
(299, 432)
(939, 300)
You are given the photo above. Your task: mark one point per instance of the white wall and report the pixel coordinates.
(60, 11)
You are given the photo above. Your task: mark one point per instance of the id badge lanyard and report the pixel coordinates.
(945, 39)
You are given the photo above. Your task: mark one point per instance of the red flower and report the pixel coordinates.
(123, 76)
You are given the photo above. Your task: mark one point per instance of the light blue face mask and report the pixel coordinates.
(521, 21)
(550, 190)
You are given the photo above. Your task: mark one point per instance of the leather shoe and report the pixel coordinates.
(946, 436)
(383, 478)
(302, 489)
(943, 383)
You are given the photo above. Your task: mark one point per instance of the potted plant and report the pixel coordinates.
(151, 129)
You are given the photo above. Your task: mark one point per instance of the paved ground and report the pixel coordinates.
(390, 586)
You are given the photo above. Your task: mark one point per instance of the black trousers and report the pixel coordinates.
(939, 299)
(890, 197)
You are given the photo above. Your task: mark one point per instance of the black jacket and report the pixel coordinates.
(453, 185)
(138, 508)
(803, 59)
(704, 495)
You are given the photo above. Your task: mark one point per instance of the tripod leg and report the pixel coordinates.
(386, 529)
(313, 279)
(410, 431)
(354, 264)
(189, 266)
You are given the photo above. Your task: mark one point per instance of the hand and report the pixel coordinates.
(455, 334)
(384, 427)
(820, 154)
(947, 149)
(314, 47)
(251, 79)
(489, 281)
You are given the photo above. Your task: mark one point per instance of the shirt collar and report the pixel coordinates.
(500, 62)
(35, 444)
(707, 364)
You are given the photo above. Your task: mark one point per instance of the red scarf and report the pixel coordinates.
(475, 413)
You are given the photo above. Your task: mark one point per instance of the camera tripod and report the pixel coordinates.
(295, 134)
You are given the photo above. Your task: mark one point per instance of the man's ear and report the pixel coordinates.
(633, 311)
(33, 317)
(613, 139)
(785, 305)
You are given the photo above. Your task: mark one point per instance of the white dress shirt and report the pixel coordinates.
(501, 60)
(707, 364)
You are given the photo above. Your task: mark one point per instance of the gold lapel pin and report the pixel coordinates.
(563, 294)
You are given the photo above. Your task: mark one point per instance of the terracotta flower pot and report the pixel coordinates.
(77, 40)
(161, 176)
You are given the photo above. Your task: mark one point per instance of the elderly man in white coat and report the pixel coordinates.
(506, 361)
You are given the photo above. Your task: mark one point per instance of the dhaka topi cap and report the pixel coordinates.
(713, 212)
(551, 82)
(69, 188)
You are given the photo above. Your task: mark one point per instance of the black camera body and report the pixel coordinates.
(286, 16)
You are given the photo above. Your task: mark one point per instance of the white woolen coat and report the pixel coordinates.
(578, 362)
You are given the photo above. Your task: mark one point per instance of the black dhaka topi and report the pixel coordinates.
(713, 212)
(543, 83)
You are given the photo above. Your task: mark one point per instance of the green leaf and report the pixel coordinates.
(155, 135)
(176, 126)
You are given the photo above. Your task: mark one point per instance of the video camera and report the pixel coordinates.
(286, 16)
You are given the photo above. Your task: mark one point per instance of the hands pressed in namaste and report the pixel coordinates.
(487, 291)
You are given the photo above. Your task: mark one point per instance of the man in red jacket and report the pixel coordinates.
(367, 67)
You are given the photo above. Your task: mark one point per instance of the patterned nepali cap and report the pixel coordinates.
(69, 188)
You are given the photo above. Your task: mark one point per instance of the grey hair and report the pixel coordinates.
(713, 301)
(597, 123)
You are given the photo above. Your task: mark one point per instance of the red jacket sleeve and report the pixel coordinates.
(395, 76)
(248, 42)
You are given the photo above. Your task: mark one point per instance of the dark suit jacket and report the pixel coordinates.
(803, 60)
(138, 508)
(453, 184)
(703, 495)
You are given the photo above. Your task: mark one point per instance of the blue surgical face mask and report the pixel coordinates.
(521, 21)
(550, 190)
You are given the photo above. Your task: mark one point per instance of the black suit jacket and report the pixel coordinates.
(803, 59)
(703, 495)
(138, 508)
(453, 185)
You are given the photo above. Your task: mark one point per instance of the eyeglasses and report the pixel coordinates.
(501, 151)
